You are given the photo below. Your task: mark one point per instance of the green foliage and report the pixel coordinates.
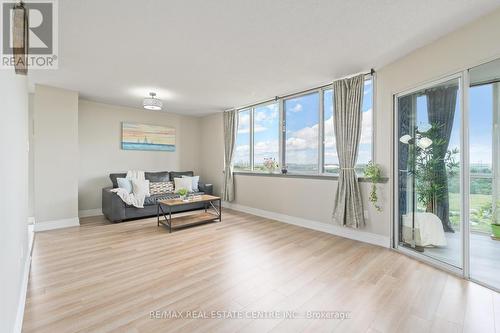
(373, 172)
(426, 165)
(182, 192)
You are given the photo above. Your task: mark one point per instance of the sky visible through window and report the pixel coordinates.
(241, 158)
(302, 133)
(480, 124)
(266, 134)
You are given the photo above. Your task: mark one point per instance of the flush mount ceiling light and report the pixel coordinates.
(152, 102)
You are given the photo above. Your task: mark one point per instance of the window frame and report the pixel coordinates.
(283, 126)
(252, 137)
(321, 128)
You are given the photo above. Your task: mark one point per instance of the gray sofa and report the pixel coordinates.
(115, 210)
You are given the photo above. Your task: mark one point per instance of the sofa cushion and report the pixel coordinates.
(151, 200)
(125, 184)
(179, 174)
(161, 187)
(195, 180)
(113, 177)
(161, 176)
(183, 183)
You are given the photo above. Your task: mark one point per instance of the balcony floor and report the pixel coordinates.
(484, 261)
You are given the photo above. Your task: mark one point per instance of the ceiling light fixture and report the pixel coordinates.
(152, 102)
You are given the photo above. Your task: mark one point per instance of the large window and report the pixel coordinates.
(302, 133)
(298, 132)
(331, 159)
(266, 137)
(241, 160)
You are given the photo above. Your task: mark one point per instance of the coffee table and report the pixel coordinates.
(212, 212)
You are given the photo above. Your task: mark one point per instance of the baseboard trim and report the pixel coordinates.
(24, 282)
(57, 224)
(90, 212)
(359, 235)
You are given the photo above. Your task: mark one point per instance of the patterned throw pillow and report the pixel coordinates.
(161, 187)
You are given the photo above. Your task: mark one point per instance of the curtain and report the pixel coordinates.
(347, 117)
(405, 107)
(441, 104)
(230, 125)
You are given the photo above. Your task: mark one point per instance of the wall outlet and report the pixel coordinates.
(365, 214)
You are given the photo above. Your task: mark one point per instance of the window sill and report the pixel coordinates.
(302, 176)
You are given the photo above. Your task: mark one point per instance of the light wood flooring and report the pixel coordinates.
(103, 277)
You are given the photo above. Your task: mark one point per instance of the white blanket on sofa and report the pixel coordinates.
(132, 199)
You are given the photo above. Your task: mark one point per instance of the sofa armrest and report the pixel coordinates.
(113, 206)
(206, 188)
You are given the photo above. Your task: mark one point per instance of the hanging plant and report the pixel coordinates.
(373, 172)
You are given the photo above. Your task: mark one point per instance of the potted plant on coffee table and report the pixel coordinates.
(182, 192)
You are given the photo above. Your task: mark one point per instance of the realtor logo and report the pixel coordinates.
(41, 34)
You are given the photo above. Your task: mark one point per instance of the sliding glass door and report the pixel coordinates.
(447, 173)
(428, 148)
(484, 176)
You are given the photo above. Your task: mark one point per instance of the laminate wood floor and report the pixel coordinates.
(103, 277)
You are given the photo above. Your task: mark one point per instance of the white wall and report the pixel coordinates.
(101, 153)
(31, 171)
(313, 199)
(56, 154)
(13, 195)
(212, 150)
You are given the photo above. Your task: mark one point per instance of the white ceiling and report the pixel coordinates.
(201, 56)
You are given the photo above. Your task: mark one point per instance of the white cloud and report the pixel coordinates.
(243, 122)
(305, 138)
(303, 144)
(262, 116)
(264, 147)
(297, 108)
(268, 148)
(329, 133)
(479, 154)
(366, 129)
(267, 113)
(257, 128)
(242, 153)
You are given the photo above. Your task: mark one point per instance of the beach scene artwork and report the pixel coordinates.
(147, 137)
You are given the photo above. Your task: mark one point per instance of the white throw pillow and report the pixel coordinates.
(140, 187)
(186, 183)
(195, 180)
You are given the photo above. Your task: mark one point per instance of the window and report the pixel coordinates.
(266, 134)
(331, 164)
(302, 133)
(365, 144)
(298, 131)
(241, 159)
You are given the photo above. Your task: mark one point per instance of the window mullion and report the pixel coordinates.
(251, 139)
(321, 134)
(282, 134)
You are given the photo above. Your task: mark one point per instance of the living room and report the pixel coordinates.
(226, 166)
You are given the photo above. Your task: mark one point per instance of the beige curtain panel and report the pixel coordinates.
(230, 126)
(347, 117)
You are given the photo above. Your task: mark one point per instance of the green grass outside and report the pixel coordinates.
(476, 202)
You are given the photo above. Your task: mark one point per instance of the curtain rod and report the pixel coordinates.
(371, 72)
